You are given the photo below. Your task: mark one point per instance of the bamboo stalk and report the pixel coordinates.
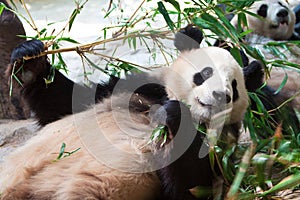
(89, 46)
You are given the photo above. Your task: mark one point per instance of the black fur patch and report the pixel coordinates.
(253, 75)
(235, 92)
(188, 38)
(189, 170)
(205, 74)
(28, 48)
(263, 10)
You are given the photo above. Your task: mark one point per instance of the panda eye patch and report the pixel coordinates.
(262, 11)
(235, 92)
(200, 77)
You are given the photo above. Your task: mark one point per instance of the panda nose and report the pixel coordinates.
(282, 13)
(221, 97)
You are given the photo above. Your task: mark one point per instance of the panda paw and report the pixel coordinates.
(28, 48)
(174, 114)
(254, 75)
(188, 38)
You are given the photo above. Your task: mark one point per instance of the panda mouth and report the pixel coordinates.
(283, 22)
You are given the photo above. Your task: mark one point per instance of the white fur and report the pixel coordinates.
(262, 26)
(113, 162)
(225, 70)
(262, 34)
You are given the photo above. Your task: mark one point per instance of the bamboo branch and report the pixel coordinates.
(89, 46)
(124, 28)
(31, 19)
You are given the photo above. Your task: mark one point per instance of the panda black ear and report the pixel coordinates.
(188, 38)
(253, 75)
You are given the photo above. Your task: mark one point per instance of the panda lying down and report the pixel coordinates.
(276, 22)
(115, 159)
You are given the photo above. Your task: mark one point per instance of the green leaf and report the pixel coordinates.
(248, 122)
(72, 18)
(51, 76)
(94, 65)
(243, 166)
(260, 106)
(282, 84)
(289, 182)
(162, 9)
(260, 161)
(235, 52)
(175, 4)
(242, 21)
(201, 23)
(62, 151)
(2, 6)
(242, 34)
(226, 164)
(67, 39)
(159, 134)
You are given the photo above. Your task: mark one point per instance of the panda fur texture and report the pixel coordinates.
(52, 101)
(277, 23)
(254, 76)
(277, 19)
(208, 85)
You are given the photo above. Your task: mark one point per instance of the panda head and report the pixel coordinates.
(276, 20)
(210, 81)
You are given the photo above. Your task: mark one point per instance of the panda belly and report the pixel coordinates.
(80, 175)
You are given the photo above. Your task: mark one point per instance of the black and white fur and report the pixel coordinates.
(277, 23)
(97, 171)
(267, 94)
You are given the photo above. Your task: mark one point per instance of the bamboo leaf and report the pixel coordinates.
(260, 106)
(288, 182)
(67, 39)
(242, 21)
(260, 160)
(72, 18)
(175, 4)
(282, 84)
(162, 9)
(226, 164)
(94, 65)
(241, 172)
(2, 6)
(235, 52)
(62, 151)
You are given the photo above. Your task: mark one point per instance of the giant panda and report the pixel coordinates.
(276, 23)
(269, 27)
(50, 102)
(115, 159)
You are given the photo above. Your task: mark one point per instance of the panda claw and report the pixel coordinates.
(29, 48)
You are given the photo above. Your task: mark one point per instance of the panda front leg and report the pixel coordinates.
(49, 101)
(54, 100)
(189, 162)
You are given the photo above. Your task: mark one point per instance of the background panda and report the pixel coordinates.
(106, 166)
(277, 22)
